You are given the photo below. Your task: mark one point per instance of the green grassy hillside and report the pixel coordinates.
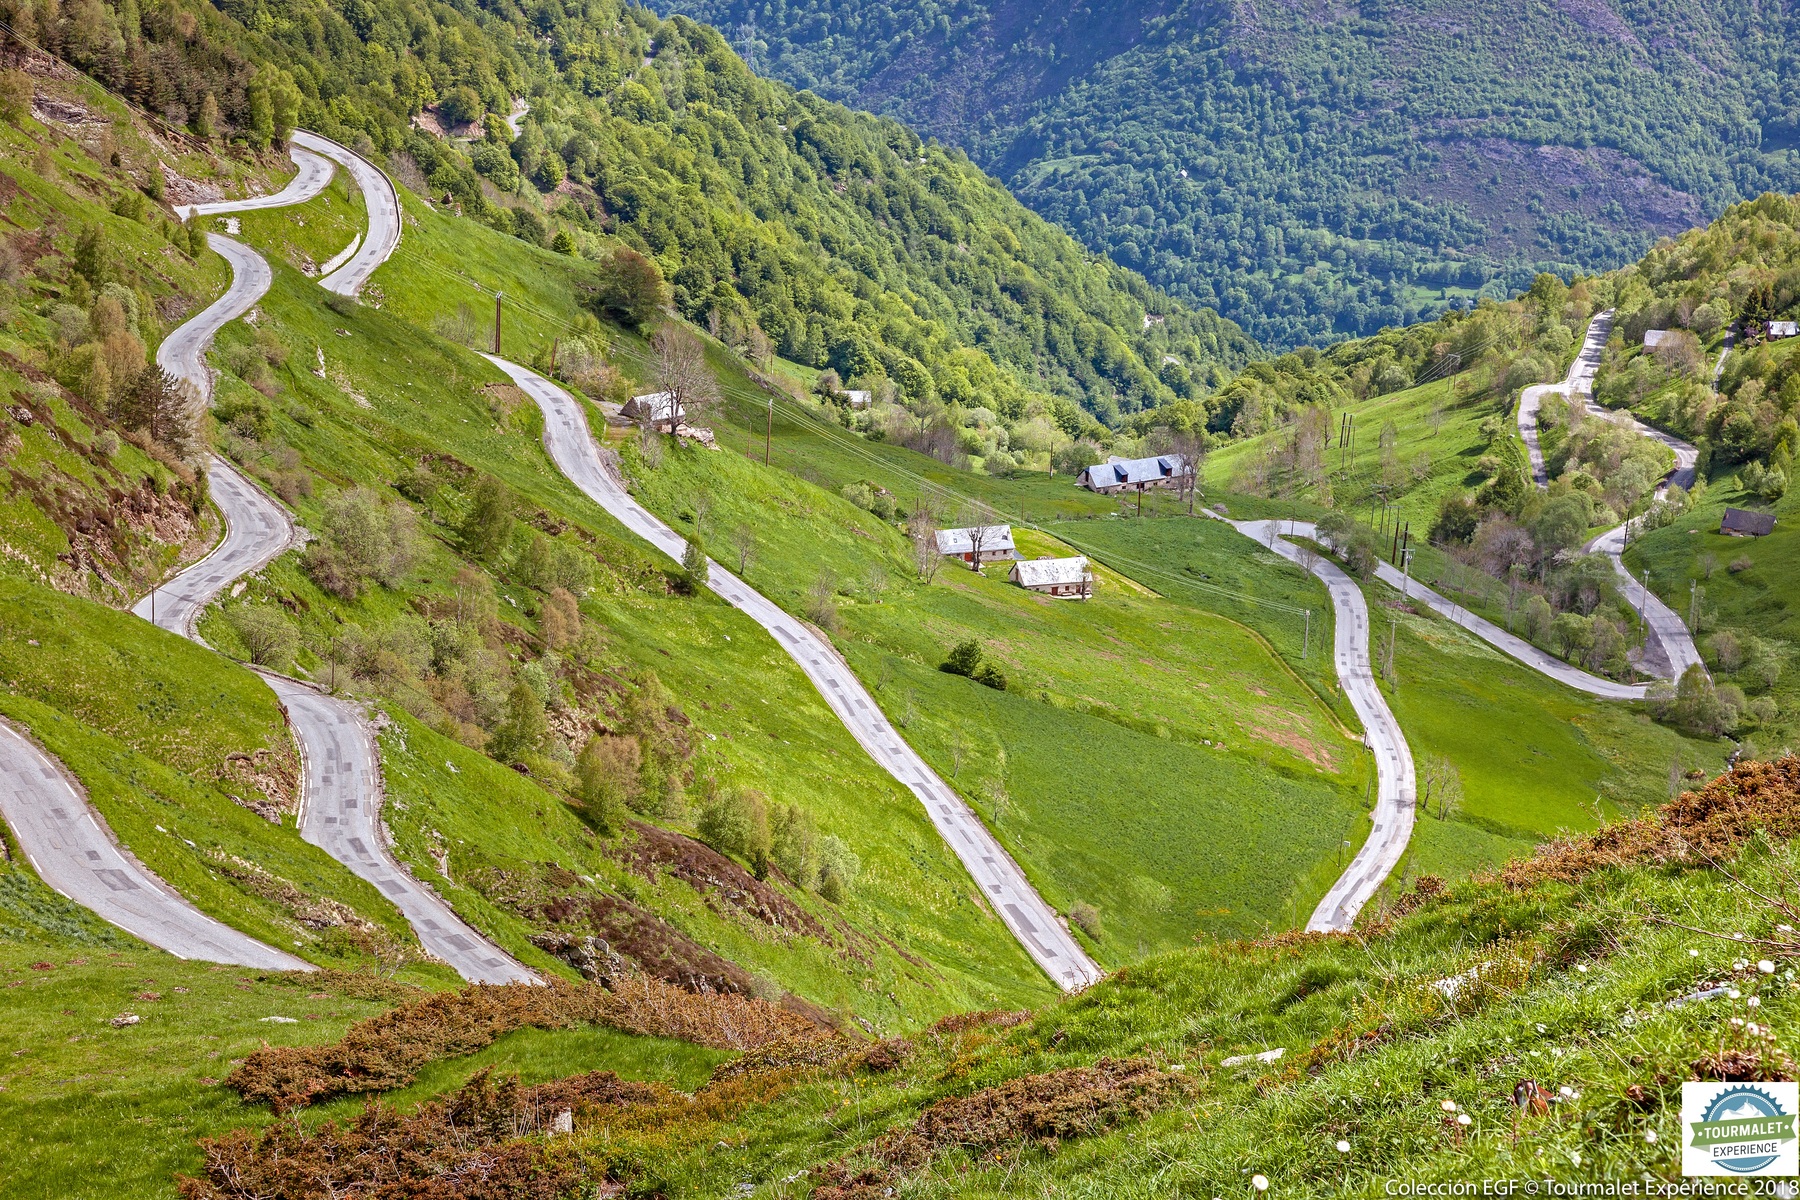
(839, 239)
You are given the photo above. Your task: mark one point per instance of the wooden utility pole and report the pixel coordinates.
(554, 343)
(769, 429)
(496, 324)
(1306, 638)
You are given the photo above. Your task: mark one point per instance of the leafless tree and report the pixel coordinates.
(682, 374)
(758, 348)
(743, 540)
(979, 535)
(921, 527)
(1439, 780)
(1192, 449)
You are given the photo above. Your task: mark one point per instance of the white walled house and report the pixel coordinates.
(652, 408)
(978, 544)
(1066, 578)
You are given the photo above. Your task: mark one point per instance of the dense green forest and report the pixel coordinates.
(788, 224)
(1314, 174)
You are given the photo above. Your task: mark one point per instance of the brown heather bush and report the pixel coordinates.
(1708, 823)
(993, 1018)
(480, 1143)
(386, 1051)
(1046, 1109)
(813, 1051)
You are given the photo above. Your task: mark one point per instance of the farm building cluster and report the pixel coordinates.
(979, 545)
(1119, 474)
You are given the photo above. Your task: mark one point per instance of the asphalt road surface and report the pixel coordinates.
(1669, 649)
(314, 174)
(1579, 381)
(340, 812)
(381, 203)
(1497, 637)
(1031, 921)
(256, 532)
(340, 809)
(76, 855)
(1396, 790)
(183, 353)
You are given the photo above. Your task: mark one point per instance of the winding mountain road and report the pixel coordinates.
(63, 837)
(1672, 651)
(381, 203)
(340, 807)
(1031, 920)
(74, 852)
(1669, 650)
(1396, 789)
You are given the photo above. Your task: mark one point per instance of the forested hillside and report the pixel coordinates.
(787, 224)
(1312, 171)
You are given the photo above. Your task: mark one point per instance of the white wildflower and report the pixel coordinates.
(1343, 1147)
(1766, 967)
(1260, 1182)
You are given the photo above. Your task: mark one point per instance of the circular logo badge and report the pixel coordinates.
(1742, 1104)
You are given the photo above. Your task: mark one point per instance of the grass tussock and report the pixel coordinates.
(1044, 1109)
(385, 1052)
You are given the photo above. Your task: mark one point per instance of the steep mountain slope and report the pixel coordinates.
(1315, 171)
(836, 238)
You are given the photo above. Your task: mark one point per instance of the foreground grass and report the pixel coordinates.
(1572, 995)
(89, 1110)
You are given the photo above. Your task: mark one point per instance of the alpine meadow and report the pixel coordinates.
(857, 602)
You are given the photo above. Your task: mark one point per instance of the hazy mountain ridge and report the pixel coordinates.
(1347, 167)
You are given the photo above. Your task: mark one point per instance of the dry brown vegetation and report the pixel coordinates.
(480, 1142)
(1045, 1109)
(1705, 824)
(386, 1051)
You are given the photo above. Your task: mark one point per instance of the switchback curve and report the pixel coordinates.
(1670, 649)
(340, 807)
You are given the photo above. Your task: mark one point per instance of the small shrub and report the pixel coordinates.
(15, 96)
(267, 636)
(488, 527)
(608, 772)
(794, 844)
(838, 868)
(1086, 918)
(550, 565)
(964, 659)
(821, 602)
(362, 540)
(988, 675)
(1740, 564)
(735, 821)
(694, 564)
